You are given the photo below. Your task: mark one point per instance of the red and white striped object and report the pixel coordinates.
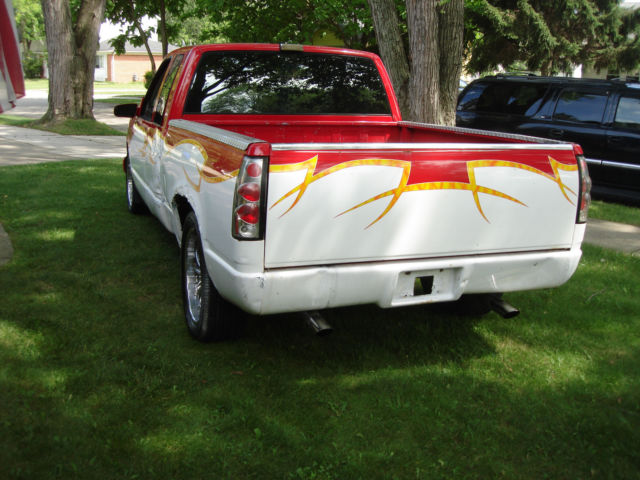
(11, 79)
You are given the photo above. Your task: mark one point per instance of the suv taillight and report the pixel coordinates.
(249, 200)
(584, 197)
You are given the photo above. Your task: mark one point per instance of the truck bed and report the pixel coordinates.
(400, 191)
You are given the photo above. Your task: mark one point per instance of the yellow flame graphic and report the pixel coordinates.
(395, 193)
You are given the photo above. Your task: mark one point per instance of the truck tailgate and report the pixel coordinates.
(408, 201)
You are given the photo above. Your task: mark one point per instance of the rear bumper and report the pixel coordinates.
(391, 284)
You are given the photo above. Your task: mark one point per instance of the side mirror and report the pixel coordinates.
(125, 110)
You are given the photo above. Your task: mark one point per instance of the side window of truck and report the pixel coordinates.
(580, 106)
(628, 113)
(163, 97)
(150, 98)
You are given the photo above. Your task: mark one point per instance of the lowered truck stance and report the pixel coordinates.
(292, 184)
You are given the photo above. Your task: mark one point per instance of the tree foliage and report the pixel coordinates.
(551, 37)
(29, 21)
(294, 21)
(129, 13)
(352, 23)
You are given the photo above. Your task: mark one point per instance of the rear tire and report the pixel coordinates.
(135, 204)
(209, 317)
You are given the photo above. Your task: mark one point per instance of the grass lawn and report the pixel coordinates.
(615, 212)
(99, 378)
(119, 99)
(98, 87)
(68, 127)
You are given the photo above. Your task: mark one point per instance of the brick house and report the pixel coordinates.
(129, 67)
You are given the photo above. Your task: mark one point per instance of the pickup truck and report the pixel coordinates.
(292, 184)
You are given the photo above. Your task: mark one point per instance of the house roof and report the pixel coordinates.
(155, 46)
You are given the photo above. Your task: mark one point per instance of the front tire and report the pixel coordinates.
(209, 317)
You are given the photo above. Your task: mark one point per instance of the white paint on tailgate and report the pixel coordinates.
(422, 224)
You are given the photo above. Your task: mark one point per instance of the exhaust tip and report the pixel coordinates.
(317, 323)
(503, 308)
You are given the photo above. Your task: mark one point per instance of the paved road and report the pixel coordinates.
(20, 146)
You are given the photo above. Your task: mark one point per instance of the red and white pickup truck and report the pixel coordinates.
(292, 184)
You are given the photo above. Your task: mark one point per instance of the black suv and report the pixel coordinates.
(603, 116)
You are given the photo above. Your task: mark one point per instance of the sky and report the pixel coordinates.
(109, 30)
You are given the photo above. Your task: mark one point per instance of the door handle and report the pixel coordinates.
(616, 139)
(556, 132)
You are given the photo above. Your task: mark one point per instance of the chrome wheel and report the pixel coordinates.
(208, 315)
(193, 278)
(129, 188)
(135, 204)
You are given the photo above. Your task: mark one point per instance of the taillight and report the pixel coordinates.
(248, 201)
(584, 197)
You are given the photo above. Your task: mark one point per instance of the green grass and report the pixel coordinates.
(119, 99)
(615, 212)
(112, 87)
(81, 127)
(98, 87)
(36, 84)
(99, 378)
(15, 120)
(67, 127)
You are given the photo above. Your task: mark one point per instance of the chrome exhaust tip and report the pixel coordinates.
(502, 308)
(317, 323)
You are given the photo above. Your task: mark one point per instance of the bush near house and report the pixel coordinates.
(32, 64)
(148, 76)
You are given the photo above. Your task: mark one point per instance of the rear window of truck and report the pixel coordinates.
(291, 83)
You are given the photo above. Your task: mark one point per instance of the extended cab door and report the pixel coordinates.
(147, 145)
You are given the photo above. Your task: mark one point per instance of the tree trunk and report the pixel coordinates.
(143, 34)
(387, 27)
(72, 57)
(163, 28)
(450, 39)
(424, 83)
(427, 85)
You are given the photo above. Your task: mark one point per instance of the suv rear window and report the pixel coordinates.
(509, 98)
(628, 113)
(254, 82)
(580, 106)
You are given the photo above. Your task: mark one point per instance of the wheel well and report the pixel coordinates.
(182, 206)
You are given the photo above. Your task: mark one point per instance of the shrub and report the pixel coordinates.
(32, 64)
(148, 76)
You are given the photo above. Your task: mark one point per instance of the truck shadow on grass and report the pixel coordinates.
(366, 333)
